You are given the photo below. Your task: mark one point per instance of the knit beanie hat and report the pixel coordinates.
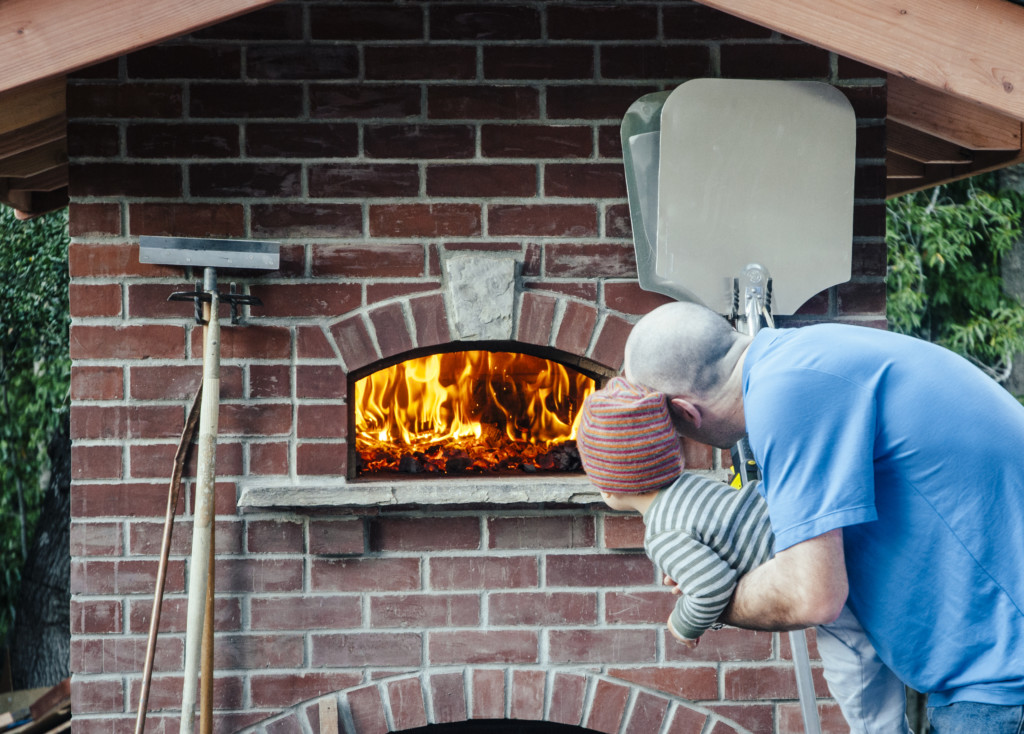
(626, 439)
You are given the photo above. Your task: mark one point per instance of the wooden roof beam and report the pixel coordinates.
(971, 50)
(46, 39)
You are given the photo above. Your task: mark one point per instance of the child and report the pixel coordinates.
(703, 535)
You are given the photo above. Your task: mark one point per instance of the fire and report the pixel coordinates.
(474, 411)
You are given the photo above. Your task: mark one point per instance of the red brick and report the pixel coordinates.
(279, 690)
(482, 103)
(146, 538)
(155, 460)
(574, 289)
(176, 382)
(255, 419)
(307, 220)
(328, 537)
(605, 569)
(366, 648)
(311, 343)
(270, 381)
(576, 327)
(647, 714)
(861, 298)
(307, 299)
(383, 261)
(527, 695)
(450, 647)
(125, 422)
(94, 219)
(370, 574)
(127, 342)
(95, 300)
(593, 101)
(118, 654)
(662, 61)
(607, 22)
(97, 696)
(381, 23)
(123, 577)
(227, 615)
(425, 220)
(98, 617)
(773, 61)
(831, 718)
(724, 645)
(504, 22)
(96, 383)
(686, 720)
(391, 330)
(448, 697)
(628, 297)
(93, 140)
(585, 180)
(483, 572)
(274, 536)
(187, 220)
(366, 708)
(362, 180)
(616, 221)
(291, 61)
(420, 61)
(536, 319)
(149, 300)
(603, 646)
(232, 651)
(125, 179)
(94, 538)
(120, 99)
(548, 61)
(322, 421)
(576, 260)
(119, 500)
(405, 698)
(488, 694)
(695, 683)
(241, 99)
(268, 458)
(354, 343)
(698, 455)
(540, 532)
(188, 140)
(364, 101)
(639, 607)
(248, 341)
(95, 462)
(430, 316)
(567, 696)
(320, 381)
(542, 220)
(611, 342)
(607, 707)
(318, 459)
(699, 22)
(421, 534)
(113, 261)
(474, 180)
(536, 141)
(425, 610)
(376, 292)
(542, 609)
(259, 575)
(623, 531)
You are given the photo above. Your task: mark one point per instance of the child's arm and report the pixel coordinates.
(705, 582)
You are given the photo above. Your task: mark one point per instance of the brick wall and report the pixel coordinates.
(374, 141)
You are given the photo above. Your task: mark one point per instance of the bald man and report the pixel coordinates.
(892, 472)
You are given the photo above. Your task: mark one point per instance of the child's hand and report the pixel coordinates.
(689, 642)
(669, 582)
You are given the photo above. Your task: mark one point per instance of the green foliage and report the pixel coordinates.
(35, 369)
(944, 284)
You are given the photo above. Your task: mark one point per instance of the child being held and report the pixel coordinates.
(703, 535)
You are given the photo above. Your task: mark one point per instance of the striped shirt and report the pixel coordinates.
(704, 535)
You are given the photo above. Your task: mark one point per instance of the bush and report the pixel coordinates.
(944, 285)
(35, 370)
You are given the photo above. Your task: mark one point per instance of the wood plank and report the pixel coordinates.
(32, 136)
(922, 147)
(955, 120)
(971, 50)
(51, 180)
(45, 38)
(32, 103)
(897, 166)
(936, 175)
(329, 715)
(35, 161)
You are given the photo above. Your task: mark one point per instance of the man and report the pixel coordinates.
(892, 475)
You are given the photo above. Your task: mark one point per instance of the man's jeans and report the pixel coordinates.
(976, 718)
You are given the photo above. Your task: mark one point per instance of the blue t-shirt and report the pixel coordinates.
(919, 458)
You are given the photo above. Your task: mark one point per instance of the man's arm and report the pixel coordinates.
(802, 586)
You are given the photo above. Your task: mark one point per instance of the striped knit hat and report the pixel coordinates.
(626, 439)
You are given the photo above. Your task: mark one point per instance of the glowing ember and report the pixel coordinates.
(469, 412)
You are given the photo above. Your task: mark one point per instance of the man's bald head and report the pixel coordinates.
(683, 349)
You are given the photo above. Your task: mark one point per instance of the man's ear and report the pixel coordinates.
(687, 411)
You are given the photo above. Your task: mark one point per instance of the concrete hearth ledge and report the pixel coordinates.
(462, 491)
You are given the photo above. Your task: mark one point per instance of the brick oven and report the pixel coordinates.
(440, 176)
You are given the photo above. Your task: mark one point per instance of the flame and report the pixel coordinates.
(468, 411)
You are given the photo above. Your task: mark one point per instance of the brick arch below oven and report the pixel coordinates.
(586, 701)
(422, 322)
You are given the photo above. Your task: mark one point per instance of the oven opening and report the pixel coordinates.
(469, 412)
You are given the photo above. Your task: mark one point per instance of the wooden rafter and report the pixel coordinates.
(971, 50)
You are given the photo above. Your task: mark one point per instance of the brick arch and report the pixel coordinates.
(591, 701)
(420, 321)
